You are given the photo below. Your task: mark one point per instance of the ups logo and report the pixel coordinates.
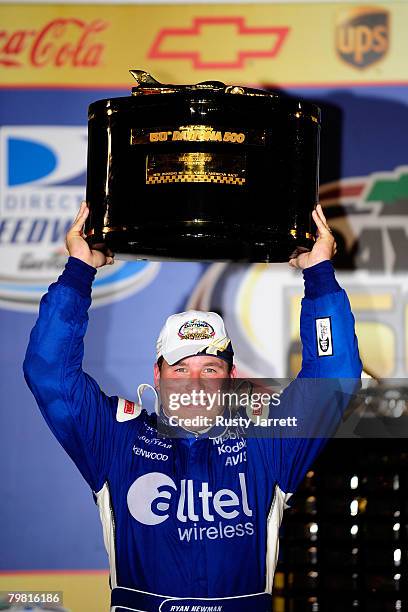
(362, 35)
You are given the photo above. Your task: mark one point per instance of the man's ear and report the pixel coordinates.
(156, 374)
(233, 373)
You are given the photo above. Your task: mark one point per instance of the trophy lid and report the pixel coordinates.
(148, 85)
(145, 83)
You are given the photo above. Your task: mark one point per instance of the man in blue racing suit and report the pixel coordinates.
(191, 519)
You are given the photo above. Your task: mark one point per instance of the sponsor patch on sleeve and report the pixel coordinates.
(127, 410)
(324, 337)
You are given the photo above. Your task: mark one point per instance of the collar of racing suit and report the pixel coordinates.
(172, 431)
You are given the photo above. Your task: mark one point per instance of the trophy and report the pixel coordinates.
(204, 172)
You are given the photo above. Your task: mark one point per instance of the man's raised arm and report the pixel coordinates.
(329, 342)
(331, 365)
(79, 414)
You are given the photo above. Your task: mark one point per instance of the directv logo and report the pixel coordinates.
(42, 183)
(42, 178)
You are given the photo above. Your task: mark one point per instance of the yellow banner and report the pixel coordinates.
(269, 44)
(81, 591)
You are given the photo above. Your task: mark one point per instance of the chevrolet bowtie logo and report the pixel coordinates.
(218, 42)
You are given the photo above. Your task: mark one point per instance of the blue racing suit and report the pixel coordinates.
(190, 522)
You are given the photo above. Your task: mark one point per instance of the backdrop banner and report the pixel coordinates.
(54, 61)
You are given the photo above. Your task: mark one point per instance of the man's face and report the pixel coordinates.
(199, 378)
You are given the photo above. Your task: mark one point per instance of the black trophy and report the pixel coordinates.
(202, 172)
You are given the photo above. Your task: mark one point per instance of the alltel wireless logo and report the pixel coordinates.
(154, 498)
(362, 35)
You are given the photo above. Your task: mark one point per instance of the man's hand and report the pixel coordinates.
(77, 245)
(324, 248)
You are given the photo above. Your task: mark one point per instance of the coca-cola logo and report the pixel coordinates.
(60, 42)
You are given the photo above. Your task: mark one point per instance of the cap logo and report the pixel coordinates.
(196, 329)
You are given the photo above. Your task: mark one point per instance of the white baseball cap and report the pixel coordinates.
(191, 332)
